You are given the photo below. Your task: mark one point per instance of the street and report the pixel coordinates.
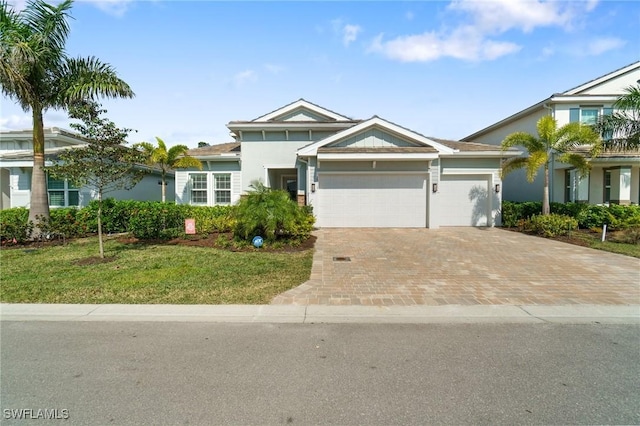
(168, 373)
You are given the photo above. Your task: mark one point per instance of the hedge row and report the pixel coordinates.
(143, 219)
(272, 215)
(587, 215)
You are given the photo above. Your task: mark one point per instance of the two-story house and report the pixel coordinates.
(614, 176)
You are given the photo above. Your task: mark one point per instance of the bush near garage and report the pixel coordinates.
(589, 216)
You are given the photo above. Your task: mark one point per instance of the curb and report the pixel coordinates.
(309, 314)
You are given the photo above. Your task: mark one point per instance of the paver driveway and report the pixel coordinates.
(461, 266)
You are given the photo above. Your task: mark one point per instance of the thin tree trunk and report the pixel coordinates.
(545, 195)
(100, 224)
(39, 203)
(164, 187)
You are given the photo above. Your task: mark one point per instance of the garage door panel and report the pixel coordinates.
(372, 200)
(464, 200)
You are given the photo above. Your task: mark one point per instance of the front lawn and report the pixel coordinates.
(147, 273)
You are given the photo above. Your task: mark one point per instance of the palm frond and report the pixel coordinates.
(536, 160)
(187, 162)
(513, 164)
(89, 78)
(576, 160)
(530, 142)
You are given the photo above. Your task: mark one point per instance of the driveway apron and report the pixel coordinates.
(461, 266)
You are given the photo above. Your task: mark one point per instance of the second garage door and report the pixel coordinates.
(372, 200)
(465, 200)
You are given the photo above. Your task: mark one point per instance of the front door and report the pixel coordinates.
(290, 184)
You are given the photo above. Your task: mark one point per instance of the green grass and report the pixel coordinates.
(594, 240)
(150, 274)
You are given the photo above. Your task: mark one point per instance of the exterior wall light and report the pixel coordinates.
(313, 187)
(434, 187)
(497, 188)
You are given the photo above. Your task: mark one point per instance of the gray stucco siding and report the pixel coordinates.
(373, 138)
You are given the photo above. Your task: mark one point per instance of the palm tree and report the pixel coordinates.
(551, 141)
(621, 129)
(36, 72)
(174, 158)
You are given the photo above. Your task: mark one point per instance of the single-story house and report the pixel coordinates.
(614, 176)
(16, 163)
(355, 173)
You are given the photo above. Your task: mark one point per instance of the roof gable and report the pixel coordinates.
(375, 133)
(611, 83)
(302, 110)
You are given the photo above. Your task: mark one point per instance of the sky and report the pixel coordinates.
(445, 69)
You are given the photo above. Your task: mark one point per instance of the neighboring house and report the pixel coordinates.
(355, 173)
(614, 176)
(16, 163)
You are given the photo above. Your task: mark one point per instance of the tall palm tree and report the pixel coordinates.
(36, 72)
(551, 141)
(174, 158)
(621, 129)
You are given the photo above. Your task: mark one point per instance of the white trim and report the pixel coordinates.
(454, 171)
(375, 122)
(586, 98)
(369, 172)
(301, 103)
(288, 125)
(410, 156)
(603, 79)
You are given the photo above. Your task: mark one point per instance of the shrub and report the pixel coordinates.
(212, 219)
(15, 224)
(271, 214)
(513, 212)
(156, 220)
(551, 225)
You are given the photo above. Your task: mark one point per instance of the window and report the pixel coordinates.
(222, 188)
(568, 186)
(62, 193)
(607, 186)
(198, 188)
(588, 114)
(219, 183)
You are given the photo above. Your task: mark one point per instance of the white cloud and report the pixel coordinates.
(15, 122)
(112, 7)
(464, 43)
(604, 44)
(502, 15)
(348, 32)
(244, 77)
(475, 38)
(17, 5)
(409, 16)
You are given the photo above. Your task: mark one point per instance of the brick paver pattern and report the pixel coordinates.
(461, 266)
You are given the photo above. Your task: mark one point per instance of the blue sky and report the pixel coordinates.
(444, 69)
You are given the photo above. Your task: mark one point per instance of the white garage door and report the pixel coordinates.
(372, 200)
(464, 200)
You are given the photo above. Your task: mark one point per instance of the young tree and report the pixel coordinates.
(174, 158)
(36, 72)
(105, 163)
(551, 140)
(621, 129)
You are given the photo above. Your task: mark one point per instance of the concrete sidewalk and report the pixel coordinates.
(568, 314)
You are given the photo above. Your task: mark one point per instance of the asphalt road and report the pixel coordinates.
(121, 373)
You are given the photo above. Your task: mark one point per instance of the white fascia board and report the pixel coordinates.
(16, 163)
(597, 81)
(218, 157)
(410, 156)
(484, 154)
(375, 121)
(301, 104)
(287, 125)
(587, 99)
(468, 171)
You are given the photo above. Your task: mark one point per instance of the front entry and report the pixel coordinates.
(290, 184)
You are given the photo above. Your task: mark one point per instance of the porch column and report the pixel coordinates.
(624, 194)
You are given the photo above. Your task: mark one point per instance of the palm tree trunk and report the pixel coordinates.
(545, 195)
(164, 187)
(39, 203)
